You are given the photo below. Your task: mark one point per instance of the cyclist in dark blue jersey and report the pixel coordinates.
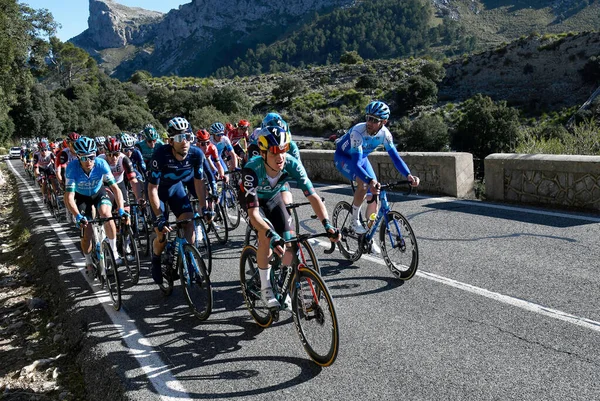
(84, 190)
(175, 167)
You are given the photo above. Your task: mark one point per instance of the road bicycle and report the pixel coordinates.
(127, 245)
(397, 238)
(141, 226)
(300, 289)
(103, 260)
(201, 239)
(182, 259)
(227, 198)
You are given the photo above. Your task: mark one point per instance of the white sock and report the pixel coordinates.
(356, 212)
(113, 246)
(265, 277)
(88, 259)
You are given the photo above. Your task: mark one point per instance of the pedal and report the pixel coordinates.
(275, 314)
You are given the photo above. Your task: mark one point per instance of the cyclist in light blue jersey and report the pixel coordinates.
(351, 159)
(84, 190)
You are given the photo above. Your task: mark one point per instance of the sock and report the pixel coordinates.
(265, 278)
(88, 259)
(113, 246)
(356, 212)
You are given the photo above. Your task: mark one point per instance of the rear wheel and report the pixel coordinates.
(350, 243)
(111, 275)
(202, 243)
(130, 255)
(219, 225)
(232, 207)
(399, 246)
(315, 318)
(195, 282)
(250, 281)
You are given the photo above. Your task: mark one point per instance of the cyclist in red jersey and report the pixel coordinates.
(210, 151)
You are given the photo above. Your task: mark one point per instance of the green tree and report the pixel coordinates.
(232, 100)
(416, 91)
(351, 57)
(486, 127)
(70, 63)
(140, 76)
(428, 133)
(288, 88)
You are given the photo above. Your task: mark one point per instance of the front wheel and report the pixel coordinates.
(399, 246)
(130, 255)
(315, 318)
(202, 243)
(195, 282)
(111, 275)
(219, 225)
(231, 207)
(250, 281)
(350, 243)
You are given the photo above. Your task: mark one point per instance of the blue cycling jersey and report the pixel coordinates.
(138, 161)
(167, 170)
(146, 150)
(357, 144)
(88, 184)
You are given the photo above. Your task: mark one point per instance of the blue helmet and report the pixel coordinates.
(150, 133)
(274, 136)
(85, 146)
(273, 120)
(217, 128)
(378, 109)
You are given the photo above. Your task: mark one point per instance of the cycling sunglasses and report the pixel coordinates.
(182, 137)
(204, 143)
(371, 119)
(128, 149)
(279, 149)
(86, 158)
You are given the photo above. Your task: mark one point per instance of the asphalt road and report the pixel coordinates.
(505, 306)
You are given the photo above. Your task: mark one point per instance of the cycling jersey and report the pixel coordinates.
(165, 169)
(121, 164)
(65, 157)
(138, 161)
(353, 148)
(223, 144)
(44, 162)
(235, 136)
(82, 183)
(146, 150)
(258, 186)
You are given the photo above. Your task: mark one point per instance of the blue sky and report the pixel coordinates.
(73, 14)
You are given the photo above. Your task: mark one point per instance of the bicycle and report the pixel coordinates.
(312, 306)
(190, 269)
(395, 234)
(127, 245)
(103, 260)
(201, 240)
(227, 198)
(141, 227)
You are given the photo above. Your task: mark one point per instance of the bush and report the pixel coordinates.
(429, 133)
(140, 76)
(206, 116)
(288, 88)
(433, 71)
(351, 57)
(591, 70)
(369, 81)
(231, 99)
(416, 91)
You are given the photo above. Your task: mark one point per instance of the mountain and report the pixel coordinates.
(200, 37)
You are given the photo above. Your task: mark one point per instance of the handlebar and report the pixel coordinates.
(397, 184)
(303, 237)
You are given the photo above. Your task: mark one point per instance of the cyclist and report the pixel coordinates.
(84, 191)
(43, 166)
(239, 138)
(173, 168)
(351, 159)
(210, 152)
(261, 199)
(121, 167)
(65, 157)
(272, 120)
(129, 150)
(149, 144)
(223, 144)
(100, 144)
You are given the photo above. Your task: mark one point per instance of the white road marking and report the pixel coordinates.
(165, 384)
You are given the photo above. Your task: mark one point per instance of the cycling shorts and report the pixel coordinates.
(86, 203)
(274, 212)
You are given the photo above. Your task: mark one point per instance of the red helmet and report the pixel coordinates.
(52, 145)
(228, 127)
(73, 136)
(202, 135)
(43, 145)
(112, 144)
(244, 123)
(65, 144)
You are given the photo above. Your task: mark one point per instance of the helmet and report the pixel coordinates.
(217, 128)
(43, 145)
(85, 146)
(228, 127)
(272, 120)
(150, 133)
(52, 145)
(243, 123)
(177, 125)
(164, 135)
(73, 136)
(148, 126)
(113, 145)
(120, 135)
(202, 135)
(127, 140)
(100, 141)
(273, 136)
(378, 109)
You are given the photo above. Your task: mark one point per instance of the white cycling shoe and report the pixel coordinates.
(269, 298)
(358, 227)
(375, 248)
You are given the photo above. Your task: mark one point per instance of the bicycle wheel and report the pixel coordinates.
(315, 318)
(296, 221)
(111, 275)
(219, 225)
(231, 207)
(308, 257)
(349, 245)
(142, 233)
(195, 282)
(250, 281)
(130, 255)
(399, 246)
(202, 243)
(250, 238)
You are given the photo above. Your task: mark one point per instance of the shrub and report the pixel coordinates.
(429, 133)
(288, 88)
(591, 70)
(369, 81)
(351, 57)
(417, 91)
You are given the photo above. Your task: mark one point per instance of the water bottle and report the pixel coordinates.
(371, 220)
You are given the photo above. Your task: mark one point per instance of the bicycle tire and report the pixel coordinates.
(314, 315)
(231, 206)
(131, 258)
(294, 216)
(202, 243)
(143, 235)
(349, 245)
(308, 257)
(250, 282)
(250, 238)
(111, 276)
(195, 282)
(405, 245)
(222, 233)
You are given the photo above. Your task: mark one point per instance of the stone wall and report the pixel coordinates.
(557, 180)
(440, 173)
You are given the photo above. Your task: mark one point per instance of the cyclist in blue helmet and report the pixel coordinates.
(351, 159)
